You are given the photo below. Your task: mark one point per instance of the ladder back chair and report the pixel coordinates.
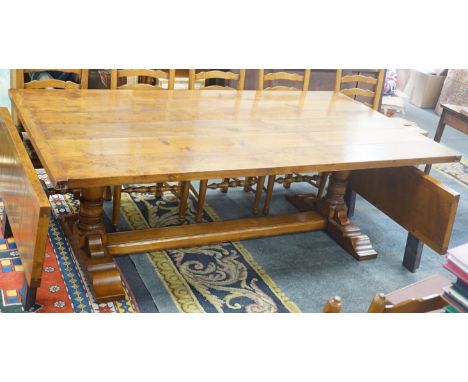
(51, 78)
(150, 79)
(303, 80)
(351, 83)
(194, 78)
(146, 79)
(344, 84)
(364, 86)
(44, 79)
(297, 82)
(368, 90)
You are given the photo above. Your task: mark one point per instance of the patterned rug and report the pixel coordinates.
(215, 278)
(63, 287)
(457, 170)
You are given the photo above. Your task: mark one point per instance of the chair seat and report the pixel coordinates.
(391, 105)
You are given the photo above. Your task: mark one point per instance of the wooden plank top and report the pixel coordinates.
(460, 111)
(101, 137)
(26, 203)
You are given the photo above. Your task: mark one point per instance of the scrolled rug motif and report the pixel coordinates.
(215, 278)
(456, 170)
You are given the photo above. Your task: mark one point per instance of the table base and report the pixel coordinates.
(94, 248)
(98, 266)
(348, 235)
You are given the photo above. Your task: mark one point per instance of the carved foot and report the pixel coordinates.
(352, 240)
(98, 266)
(339, 227)
(103, 274)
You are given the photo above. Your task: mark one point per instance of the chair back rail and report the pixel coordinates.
(356, 91)
(20, 82)
(146, 78)
(217, 74)
(304, 79)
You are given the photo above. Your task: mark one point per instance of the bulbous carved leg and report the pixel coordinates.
(348, 235)
(87, 236)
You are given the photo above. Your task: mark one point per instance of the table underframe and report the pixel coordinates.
(95, 248)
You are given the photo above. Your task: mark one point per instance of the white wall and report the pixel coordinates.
(4, 86)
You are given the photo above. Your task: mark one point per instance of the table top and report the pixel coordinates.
(461, 111)
(99, 137)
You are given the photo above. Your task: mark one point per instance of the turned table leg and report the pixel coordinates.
(333, 206)
(87, 235)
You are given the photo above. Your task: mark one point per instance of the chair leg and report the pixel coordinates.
(184, 194)
(108, 194)
(76, 194)
(201, 200)
(158, 193)
(116, 206)
(286, 184)
(258, 194)
(6, 227)
(269, 193)
(247, 186)
(225, 189)
(323, 182)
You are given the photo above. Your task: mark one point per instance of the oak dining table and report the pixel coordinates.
(91, 139)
